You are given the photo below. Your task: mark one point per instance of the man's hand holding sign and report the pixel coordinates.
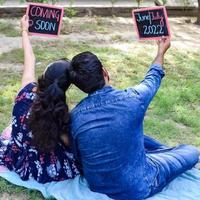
(151, 23)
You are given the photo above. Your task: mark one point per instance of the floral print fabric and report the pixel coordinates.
(23, 158)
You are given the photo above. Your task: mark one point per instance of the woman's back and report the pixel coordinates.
(40, 121)
(23, 158)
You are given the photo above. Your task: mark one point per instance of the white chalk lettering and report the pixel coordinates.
(42, 25)
(146, 17)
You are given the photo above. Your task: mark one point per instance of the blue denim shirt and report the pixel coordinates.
(107, 137)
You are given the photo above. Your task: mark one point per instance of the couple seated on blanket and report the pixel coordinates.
(102, 138)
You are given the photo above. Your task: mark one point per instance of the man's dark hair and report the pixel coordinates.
(86, 72)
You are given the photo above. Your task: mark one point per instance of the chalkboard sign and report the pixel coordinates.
(44, 19)
(151, 23)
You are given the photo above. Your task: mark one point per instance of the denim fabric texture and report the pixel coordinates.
(116, 158)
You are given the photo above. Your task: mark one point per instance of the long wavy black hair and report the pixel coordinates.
(49, 116)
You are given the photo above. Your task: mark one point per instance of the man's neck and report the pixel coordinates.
(106, 82)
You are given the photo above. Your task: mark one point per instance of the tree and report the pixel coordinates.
(198, 14)
(2, 2)
(139, 2)
(113, 2)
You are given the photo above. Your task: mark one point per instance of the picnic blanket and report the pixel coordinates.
(185, 187)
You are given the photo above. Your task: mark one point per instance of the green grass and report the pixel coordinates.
(16, 193)
(173, 116)
(93, 25)
(8, 29)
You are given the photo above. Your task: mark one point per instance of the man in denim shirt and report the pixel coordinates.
(107, 133)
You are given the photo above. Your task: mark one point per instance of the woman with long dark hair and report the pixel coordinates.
(39, 146)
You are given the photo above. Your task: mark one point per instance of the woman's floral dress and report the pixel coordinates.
(20, 156)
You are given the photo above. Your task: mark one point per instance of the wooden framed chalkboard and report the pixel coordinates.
(44, 19)
(151, 23)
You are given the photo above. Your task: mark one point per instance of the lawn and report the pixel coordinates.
(173, 116)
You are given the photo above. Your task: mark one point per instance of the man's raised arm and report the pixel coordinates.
(151, 83)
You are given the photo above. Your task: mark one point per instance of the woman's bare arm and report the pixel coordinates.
(29, 57)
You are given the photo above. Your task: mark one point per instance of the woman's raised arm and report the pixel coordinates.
(29, 57)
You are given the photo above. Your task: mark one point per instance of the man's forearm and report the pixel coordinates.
(163, 46)
(159, 59)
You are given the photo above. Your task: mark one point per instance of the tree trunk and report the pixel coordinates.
(198, 14)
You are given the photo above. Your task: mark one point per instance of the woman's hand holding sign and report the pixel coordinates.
(44, 20)
(25, 23)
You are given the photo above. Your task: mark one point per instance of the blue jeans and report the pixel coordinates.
(171, 162)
